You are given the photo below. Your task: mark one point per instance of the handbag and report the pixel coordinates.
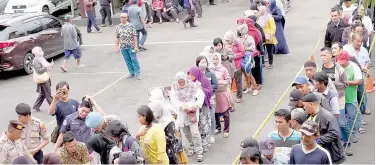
(221, 88)
(54, 134)
(182, 158)
(40, 78)
(192, 115)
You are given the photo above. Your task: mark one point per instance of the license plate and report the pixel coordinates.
(18, 11)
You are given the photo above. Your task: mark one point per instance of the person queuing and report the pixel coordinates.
(41, 67)
(295, 99)
(136, 18)
(321, 86)
(239, 52)
(10, 145)
(335, 28)
(251, 155)
(309, 152)
(223, 105)
(203, 63)
(188, 98)
(281, 47)
(71, 45)
(367, 22)
(329, 136)
(127, 45)
(310, 69)
(267, 22)
(356, 21)
(61, 107)
(298, 117)
(73, 152)
(34, 135)
(151, 137)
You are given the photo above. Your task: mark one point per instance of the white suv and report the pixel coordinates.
(37, 6)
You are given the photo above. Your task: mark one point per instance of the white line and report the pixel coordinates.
(86, 73)
(151, 43)
(95, 94)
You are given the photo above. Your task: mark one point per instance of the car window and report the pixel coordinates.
(15, 31)
(3, 32)
(32, 26)
(50, 23)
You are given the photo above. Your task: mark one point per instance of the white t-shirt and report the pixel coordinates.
(347, 11)
(361, 56)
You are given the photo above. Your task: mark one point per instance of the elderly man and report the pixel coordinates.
(298, 117)
(10, 145)
(126, 43)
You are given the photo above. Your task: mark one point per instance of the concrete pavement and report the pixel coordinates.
(171, 48)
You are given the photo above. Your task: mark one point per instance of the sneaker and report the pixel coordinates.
(225, 135)
(255, 92)
(111, 25)
(103, 25)
(212, 140)
(80, 66)
(247, 91)
(217, 131)
(354, 139)
(349, 152)
(130, 76)
(100, 30)
(200, 157)
(138, 77)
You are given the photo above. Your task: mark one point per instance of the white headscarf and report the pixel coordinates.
(39, 56)
(161, 109)
(206, 53)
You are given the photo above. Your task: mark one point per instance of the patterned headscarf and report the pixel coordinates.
(264, 17)
(186, 93)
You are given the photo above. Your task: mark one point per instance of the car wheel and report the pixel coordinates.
(27, 63)
(45, 10)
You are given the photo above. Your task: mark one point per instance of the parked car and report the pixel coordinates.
(38, 6)
(3, 4)
(20, 33)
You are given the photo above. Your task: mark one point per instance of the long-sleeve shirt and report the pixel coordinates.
(158, 4)
(334, 33)
(361, 55)
(153, 145)
(69, 33)
(346, 34)
(213, 80)
(238, 49)
(332, 98)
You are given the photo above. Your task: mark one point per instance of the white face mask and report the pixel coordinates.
(203, 65)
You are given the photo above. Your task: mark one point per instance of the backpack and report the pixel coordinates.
(130, 144)
(187, 5)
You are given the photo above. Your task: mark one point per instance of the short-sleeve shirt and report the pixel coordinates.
(63, 109)
(318, 155)
(77, 126)
(33, 133)
(81, 156)
(353, 73)
(69, 33)
(284, 145)
(10, 150)
(135, 17)
(125, 33)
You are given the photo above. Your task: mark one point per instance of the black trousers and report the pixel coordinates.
(269, 51)
(190, 18)
(106, 12)
(256, 71)
(39, 157)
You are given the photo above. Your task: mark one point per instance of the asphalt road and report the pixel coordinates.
(171, 48)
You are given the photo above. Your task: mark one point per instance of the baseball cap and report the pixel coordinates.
(249, 142)
(295, 96)
(309, 128)
(320, 76)
(342, 57)
(93, 120)
(300, 80)
(267, 146)
(310, 97)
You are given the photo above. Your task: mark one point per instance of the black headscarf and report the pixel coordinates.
(102, 145)
(116, 129)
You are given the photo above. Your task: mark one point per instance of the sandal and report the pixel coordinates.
(190, 152)
(367, 112)
(362, 130)
(63, 69)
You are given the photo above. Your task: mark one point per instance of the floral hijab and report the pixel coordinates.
(186, 93)
(263, 19)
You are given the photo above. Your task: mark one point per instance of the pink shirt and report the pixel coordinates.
(89, 5)
(158, 4)
(238, 49)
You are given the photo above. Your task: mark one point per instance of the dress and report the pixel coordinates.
(281, 47)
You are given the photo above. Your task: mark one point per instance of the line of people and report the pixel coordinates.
(321, 121)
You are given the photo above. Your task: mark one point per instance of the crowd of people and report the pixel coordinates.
(316, 128)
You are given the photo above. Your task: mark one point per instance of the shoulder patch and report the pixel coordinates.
(43, 128)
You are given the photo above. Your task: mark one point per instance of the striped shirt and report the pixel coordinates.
(284, 145)
(317, 155)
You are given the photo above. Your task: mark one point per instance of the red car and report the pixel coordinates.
(20, 33)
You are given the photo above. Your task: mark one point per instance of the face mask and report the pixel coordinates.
(203, 65)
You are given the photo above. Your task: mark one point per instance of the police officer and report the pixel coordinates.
(10, 145)
(34, 135)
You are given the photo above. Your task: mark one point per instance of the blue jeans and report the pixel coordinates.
(143, 38)
(360, 91)
(343, 128)
(91, 21)
(131, 61)
(351, 110)
(212, 115)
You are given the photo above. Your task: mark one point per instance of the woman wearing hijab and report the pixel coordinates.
(208, 52)
(204, 124)
(250, 48)
(162, 115)
(203, 63)
(258, 35)
(41, 67)
(152, 137)
(281, 47)
(266, 21)
(222, 97)
(237, 47)
(188, 98)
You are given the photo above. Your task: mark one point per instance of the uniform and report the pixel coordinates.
(32, 136)
(10, 150)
